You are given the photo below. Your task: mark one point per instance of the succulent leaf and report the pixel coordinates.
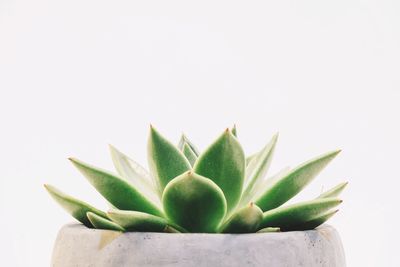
(224, 163)
(116, 190)
(335, 191)
(293, 215)
(184, 140)
(101, 223)
(194, 202)
(165, 160)
(75, 207)
(256, 170)
(269, 181)
(189, 154)
(293, 182)
(246, 220)
(137, 221)
(313, 223)
(250, 158)
(135, 175)
(234, 130)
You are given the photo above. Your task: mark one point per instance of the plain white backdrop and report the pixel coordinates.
(78, 75)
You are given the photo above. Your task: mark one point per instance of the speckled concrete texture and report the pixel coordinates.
(78, 246)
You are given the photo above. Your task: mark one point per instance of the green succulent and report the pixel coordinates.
(218, 190)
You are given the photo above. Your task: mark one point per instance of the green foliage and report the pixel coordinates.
(219, 190)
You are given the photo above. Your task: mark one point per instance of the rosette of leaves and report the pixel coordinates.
(219, 190)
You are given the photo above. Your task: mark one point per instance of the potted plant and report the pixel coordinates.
(213, 208)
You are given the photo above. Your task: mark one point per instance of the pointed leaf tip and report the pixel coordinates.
(116, 190)
(224, 163)
(283, 189)
(102, 223)
(166, 161)
(77, 208)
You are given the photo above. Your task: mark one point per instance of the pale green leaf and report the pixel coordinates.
(224, 163)
(286, 217)
(335, 191)
(293, 182)
(101, 223)
(256, 174)
(116, 190)
(135, 175)
(184, 140)
(189, 154)
(194, 202)
(250, 158)
(234, 130)
(137, 221)
(73, 206)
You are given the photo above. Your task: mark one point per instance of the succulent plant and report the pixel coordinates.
(218, 190)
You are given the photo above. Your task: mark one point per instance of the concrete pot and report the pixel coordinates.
(79, 246)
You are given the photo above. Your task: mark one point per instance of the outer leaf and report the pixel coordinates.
(256, 171)
(165, 160)
(194, 202)
(185, 140)
(189, 154)
(101, 223)
(269, 181)
(135, 175)
(297, 214)
(334, 192)
(314, 223)
(75, 207)
(245, 220)
(116, 190)
(224, 163)
(292, 183)
(138, 221)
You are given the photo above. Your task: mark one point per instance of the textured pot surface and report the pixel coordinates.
(79, 246)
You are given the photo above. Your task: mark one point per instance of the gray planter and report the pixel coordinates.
(79, 246)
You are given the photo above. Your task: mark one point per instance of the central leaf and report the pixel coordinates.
(224, 163)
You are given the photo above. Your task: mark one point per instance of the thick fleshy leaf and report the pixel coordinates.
(135, 174)
(335, 191)
(255, 172)
(194, 202)
(299, 213)
(165, 160)
(246, 220)
(140, 222)
(101, 223)
(314, 223)
(224, 163)
(116, 190)
(73, 206)
(189, 154)
(185, 140)
(270, 180)
(293, 182)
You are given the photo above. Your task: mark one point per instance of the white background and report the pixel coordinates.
(77, 75)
